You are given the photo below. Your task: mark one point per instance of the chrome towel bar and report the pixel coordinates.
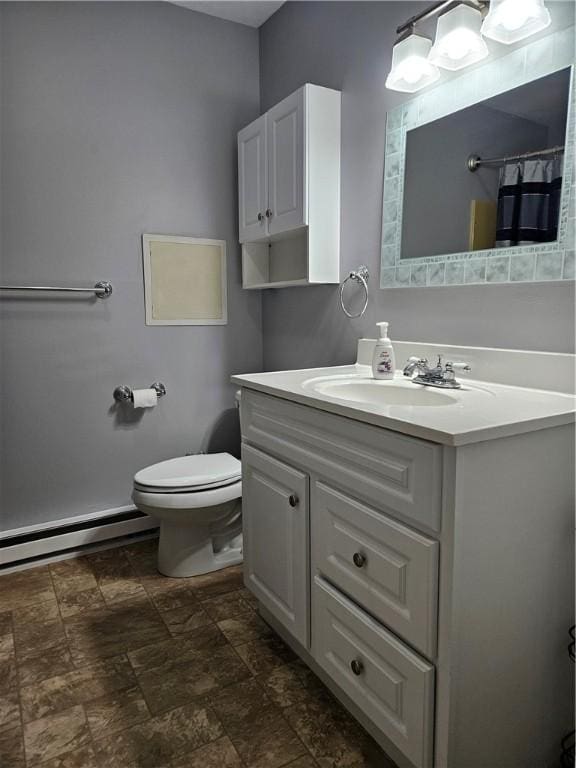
(101, 290)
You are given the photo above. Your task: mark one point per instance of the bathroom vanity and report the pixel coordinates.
(418, 552)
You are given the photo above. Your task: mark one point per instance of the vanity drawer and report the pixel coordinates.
(391, 684)
(390, 570)
(400, 474)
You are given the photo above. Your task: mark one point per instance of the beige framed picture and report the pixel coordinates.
(184, 280)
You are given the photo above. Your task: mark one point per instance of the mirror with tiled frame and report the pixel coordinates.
(410, 255)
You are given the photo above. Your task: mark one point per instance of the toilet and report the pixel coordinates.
(198, 503)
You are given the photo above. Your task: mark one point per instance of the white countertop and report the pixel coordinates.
(482, 411)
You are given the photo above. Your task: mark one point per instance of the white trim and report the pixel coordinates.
(73, 539)
(147, 240)
(70, 554)
(29, 529)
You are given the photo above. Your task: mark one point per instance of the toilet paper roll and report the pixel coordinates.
(145, 398)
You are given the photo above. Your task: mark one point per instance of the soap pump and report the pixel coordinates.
(383, 364)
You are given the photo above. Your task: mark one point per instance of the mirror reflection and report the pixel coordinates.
(489, 176)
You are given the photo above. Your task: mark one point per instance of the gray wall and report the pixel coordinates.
(117, 119)
(348, 45)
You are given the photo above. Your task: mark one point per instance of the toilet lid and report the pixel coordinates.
(210, 470)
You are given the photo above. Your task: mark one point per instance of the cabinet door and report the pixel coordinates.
(253, 181)
(275, 520)
(286, 162)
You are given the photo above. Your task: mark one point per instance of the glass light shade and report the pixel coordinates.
(411, 69)
(511, 20)
(458, 40)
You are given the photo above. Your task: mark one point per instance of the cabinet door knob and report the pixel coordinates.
(359, 559)
(293, 500)
(356, 666)
(260, 216)
(268, 213)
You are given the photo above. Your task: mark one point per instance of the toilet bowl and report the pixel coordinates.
(198, 502)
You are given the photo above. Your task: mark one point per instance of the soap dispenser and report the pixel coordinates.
(383, 363)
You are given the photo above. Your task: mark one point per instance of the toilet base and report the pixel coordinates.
(181, 554)
(200, 532)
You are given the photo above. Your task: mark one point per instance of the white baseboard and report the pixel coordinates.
(63, 521)
(36, 541)
(69, 554)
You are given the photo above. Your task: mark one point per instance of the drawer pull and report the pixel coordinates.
(359, 559)
(356, 666)
(293, 500)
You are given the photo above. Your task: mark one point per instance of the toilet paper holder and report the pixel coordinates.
(124, 394)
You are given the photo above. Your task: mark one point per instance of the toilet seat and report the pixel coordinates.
(189, 475)
(190, 499)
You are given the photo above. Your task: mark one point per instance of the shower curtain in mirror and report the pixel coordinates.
(529, 202)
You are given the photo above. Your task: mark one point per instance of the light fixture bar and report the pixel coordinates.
(435, 10)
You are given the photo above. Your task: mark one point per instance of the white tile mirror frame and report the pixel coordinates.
(533, 263)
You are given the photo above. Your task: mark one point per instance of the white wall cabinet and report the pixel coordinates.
(286, 158)
(289, 192)
(253, 180)
(429, 586)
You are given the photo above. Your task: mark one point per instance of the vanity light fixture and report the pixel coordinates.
(459, 37)
(458, 40)
(411, 68)
(509, 21)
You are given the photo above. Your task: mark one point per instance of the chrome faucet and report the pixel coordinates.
(442, 376)
(416, 363)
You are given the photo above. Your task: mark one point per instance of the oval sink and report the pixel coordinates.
(381, 392)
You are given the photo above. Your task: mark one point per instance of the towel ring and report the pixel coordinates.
(361, 276)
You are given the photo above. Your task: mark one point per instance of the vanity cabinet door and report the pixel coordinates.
(253, 181)
(287, 208)
(275, 520)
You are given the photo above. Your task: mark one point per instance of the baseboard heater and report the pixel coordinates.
(25, 545)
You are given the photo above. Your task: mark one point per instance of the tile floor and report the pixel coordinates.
(106, 664)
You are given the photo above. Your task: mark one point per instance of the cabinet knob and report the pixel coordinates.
(359, 559)
(260, 216)
(293, 500)
(268, 213)
(356, 666)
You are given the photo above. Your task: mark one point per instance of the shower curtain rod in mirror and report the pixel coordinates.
(474, 161)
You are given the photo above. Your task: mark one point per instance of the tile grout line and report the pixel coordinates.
(19, 689)
(87, 662)
(26, 761)
(91, 740)
(281, 711)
